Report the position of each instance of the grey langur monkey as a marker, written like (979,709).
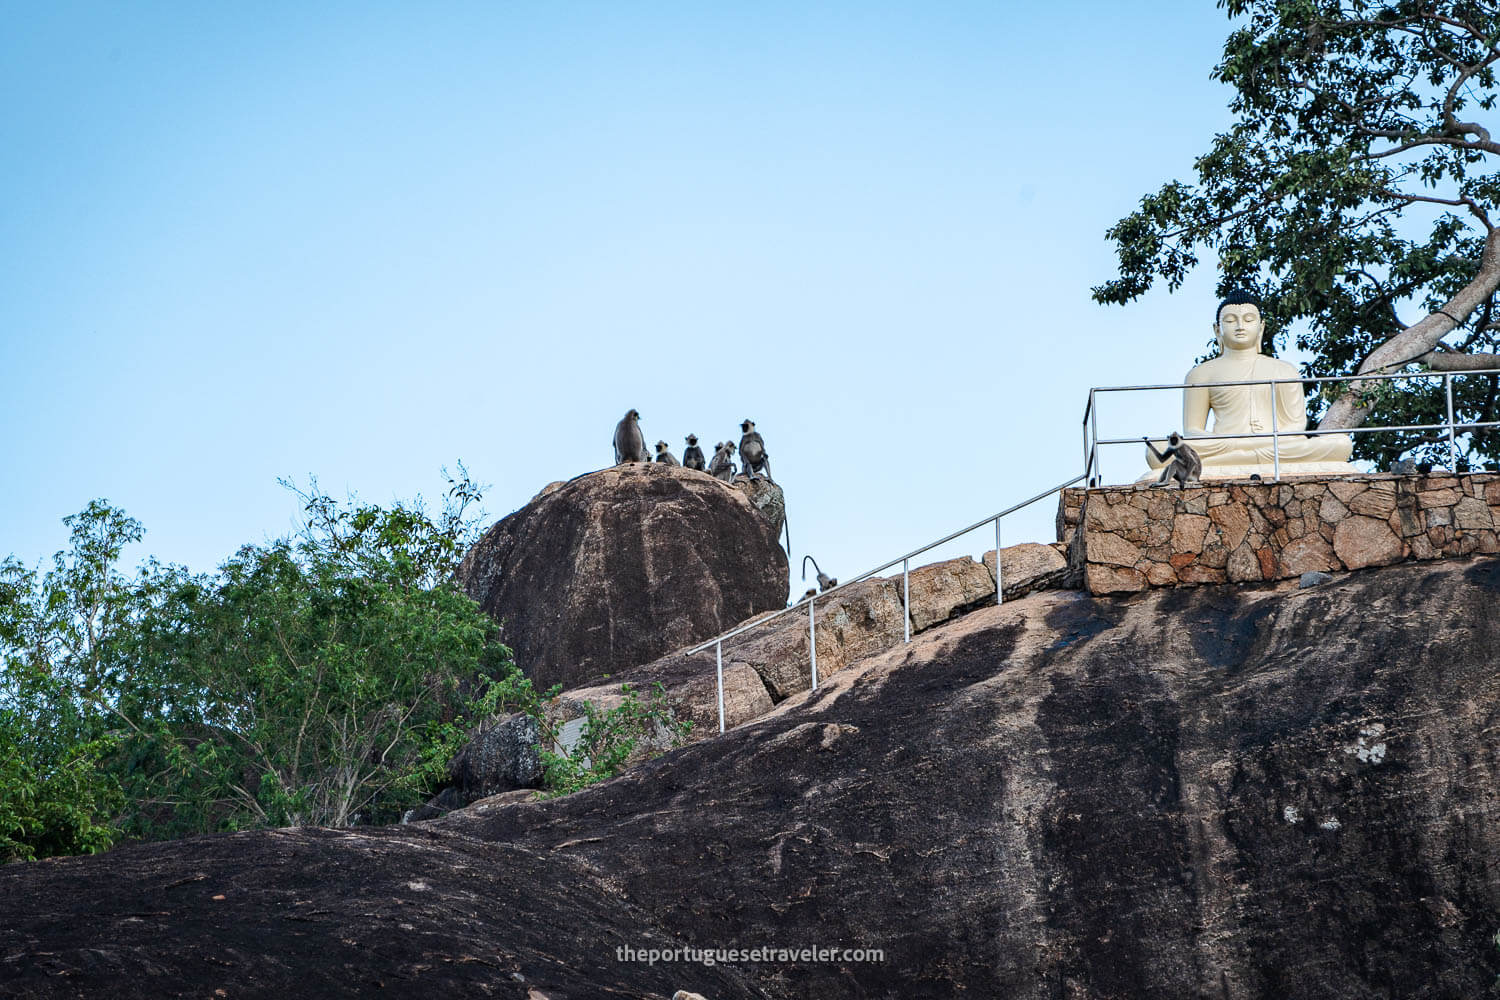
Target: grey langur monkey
(753,457)
(825,582)
(630,443)
(1183,463)
(722,467)
(692,456)
(664,456)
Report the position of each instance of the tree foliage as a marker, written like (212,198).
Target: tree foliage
(1355,191)
(319,679)
(328,678)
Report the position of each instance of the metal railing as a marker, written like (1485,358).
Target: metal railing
(1092,441)
(812,626)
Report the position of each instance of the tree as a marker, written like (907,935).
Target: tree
(56,796)
(1356,191)
(318,680)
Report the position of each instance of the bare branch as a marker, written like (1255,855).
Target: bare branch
(1452,361)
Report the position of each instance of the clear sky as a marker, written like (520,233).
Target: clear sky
(362,241)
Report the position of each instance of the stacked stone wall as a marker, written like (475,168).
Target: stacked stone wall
(1130,538)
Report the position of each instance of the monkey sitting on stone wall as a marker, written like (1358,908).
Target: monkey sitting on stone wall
(1184,466)
(664,456)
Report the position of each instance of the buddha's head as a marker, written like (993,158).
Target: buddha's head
(1238,323)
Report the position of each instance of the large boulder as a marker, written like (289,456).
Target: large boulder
(616,568)
(1220,792)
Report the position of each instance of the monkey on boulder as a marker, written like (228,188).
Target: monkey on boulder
(630,443)
(753,457)
(663,456)
(721,467)
(692,456)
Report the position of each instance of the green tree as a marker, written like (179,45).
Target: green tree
(55,632)
(1356,191)
(319,680)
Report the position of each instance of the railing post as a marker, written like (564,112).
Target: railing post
(719,657)
(1452,445)
(1094,432)
(1275,438)
(906,598)
(999,578)
(812,640)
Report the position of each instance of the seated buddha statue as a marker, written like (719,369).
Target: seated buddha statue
(1246,409)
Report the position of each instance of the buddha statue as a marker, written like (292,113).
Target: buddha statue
(1246,409)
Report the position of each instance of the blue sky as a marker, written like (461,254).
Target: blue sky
(364,241)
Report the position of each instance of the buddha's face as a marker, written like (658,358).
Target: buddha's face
(1240,327)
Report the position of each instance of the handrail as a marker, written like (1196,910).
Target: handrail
(1092,441)
(718,641)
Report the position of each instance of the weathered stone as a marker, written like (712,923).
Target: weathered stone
(1161,506)
(1267,560)
(1332,511)
(1233,523)
(1027,567)
(1215,555)
(1346,491)
(1195,502)
(745,698)
(1439,515)
(767,499)
(1197,573)
(1108,549)
(1472,514)
(1188,531)
(779,654)
(609,571)
(1102,579)
(1377,501)
(938,590)
(1160,575)
(1243,566)
(1310,553)
(1428,499)
(1313,579)
(1182,559)
(865,618)
(1361,541)
(501,755)
(1120,517)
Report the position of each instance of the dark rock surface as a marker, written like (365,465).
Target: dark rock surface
(619,567)
(501,756)
(1207,793)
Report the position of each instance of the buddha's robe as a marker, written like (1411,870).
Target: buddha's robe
(1246,409)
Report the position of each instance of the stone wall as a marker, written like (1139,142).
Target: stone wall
(1133,537)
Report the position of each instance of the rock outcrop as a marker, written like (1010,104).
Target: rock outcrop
(618,567)
(1213,792)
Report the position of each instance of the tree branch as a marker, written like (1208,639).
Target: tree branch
(1419,339)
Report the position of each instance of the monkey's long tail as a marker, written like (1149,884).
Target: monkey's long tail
(786,523)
